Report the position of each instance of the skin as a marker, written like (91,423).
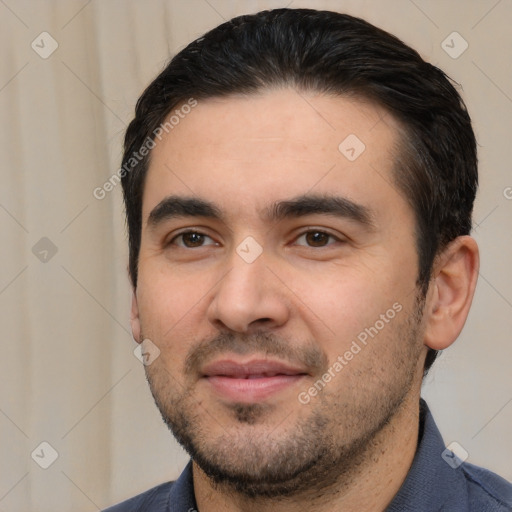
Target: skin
(302,301)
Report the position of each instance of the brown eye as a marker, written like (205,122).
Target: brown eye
(191,240)
(316,238)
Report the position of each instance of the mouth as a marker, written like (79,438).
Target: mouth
(252,381)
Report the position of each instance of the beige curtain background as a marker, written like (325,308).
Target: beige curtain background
(69,378)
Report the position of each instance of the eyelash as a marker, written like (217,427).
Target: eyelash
(189,232)
(302,234)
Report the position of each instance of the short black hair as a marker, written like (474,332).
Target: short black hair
(338,54)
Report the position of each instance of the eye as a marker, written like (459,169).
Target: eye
(316,238)
(191,240)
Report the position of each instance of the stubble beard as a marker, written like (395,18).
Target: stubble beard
(263,452)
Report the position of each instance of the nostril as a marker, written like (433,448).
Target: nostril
(262,320)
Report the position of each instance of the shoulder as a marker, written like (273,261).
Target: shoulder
(487,491)
(177,495)
(157,498)
(434,482)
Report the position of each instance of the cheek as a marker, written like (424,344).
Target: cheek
(170,310)
(341,304)
(166,293)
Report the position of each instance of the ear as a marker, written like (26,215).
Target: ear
(455,275)
(134,318)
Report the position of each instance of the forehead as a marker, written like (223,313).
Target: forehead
(263,147)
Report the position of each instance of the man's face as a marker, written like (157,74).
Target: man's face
(283,299)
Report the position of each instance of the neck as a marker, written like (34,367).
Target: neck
(370,485)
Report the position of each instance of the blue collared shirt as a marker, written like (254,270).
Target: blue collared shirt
(432,484)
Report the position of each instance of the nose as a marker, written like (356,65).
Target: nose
(248,297)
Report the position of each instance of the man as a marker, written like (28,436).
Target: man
(299,188)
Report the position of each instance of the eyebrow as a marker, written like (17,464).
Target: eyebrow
(324,205)
(176,206)
(308,204)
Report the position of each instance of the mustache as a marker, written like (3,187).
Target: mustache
(306,355)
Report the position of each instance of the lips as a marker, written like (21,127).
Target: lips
(250,369)
(250,381)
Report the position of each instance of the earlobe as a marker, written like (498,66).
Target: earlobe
(135,319)
(454,282)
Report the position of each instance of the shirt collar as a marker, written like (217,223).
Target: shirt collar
(181,497)
(431,484)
